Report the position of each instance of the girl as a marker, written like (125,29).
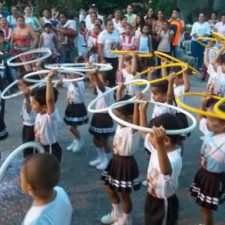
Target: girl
(127,40)
(161,204)
(28,117)
(45,128)
(209,182)
(121,174)
(139,23)
(82,40)
(101,125)
(126,71)
(216,70)
(144,44)
(75,113)
(48,39)
(5,28)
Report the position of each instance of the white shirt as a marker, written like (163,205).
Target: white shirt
(71,24)
(131,89)
(104,101)
(212,78)
(75,93)
(125,141)
(118,26)
(200,29)
(45,128)
(220,27)
(88,19)
(179,90)
(82,44)
(160,185)
(160,109)
(109,41)
(28,118)
(57,212)
(212,150)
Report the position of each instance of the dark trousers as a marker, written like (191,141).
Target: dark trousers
(55,150)
(28,135)
(154,210)
(111,75)
(197,51)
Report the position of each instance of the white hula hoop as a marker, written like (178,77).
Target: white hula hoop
(15,152)
(93,102)
(28,79)
(81,67)
(47,52)
(146,129)
(15,94)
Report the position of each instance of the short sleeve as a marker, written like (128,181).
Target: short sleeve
(210,69)
(101,38)
(202,126)
(148,145)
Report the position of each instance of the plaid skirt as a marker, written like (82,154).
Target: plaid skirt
(102,125)
(122,173)
(208,188)
(76,114)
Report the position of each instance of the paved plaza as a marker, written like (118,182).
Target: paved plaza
(82,182)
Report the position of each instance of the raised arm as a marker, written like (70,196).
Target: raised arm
(170,91)
(186,81)
(143,121)
(50,99)
(134,63)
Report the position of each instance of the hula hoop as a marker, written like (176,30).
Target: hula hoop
(92,103)
(198,111)
(200,39)
(164,55)
(184,65)
(127,52)
(16,151)
(220,38)
(81,67)
(149,130)
(26,77)
(14,94)
(217,109)
(47,52)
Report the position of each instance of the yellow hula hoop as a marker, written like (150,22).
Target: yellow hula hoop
(164,55)
(183,65)
(220,38)
(127,52)
(200,39)
(195,110)
(217,109)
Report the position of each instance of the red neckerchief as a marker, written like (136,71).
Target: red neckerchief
(129,38)
(95,35)
(84,34)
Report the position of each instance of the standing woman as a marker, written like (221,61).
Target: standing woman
(109,40)
(150,18)
(200,28)
(12,18)
(23,38)
(32,20)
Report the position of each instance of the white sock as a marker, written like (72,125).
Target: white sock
(117,212)
(100,152)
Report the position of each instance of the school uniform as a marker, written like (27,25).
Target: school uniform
(45,130)
(76,112)
(28,128)
(102,124)
(208,186)
(162,205)
(122,171)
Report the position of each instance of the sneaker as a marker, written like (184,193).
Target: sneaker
(144,183)
(76,147)
(103,165)
(70,146)
(95,162)
(108,219)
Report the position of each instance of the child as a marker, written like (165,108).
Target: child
(48,39)
(92,44)
(127,39)
(39,175)
(126,72)
(161,204)
(121,174)
(144,44)
(75,113)
(209,182)
(82,40)
(28,117)
(102,126)
(70,23)
(45,128)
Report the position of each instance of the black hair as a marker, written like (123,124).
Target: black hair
(63,13)
(82,23)
(39,93)
(169,122)
(176,9)
(47,25)
(128,109)
(162,86)
(20,16)
(41,171)
(222,59)
(97,25)
(108,20)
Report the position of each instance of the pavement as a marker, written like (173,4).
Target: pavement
(82,183)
